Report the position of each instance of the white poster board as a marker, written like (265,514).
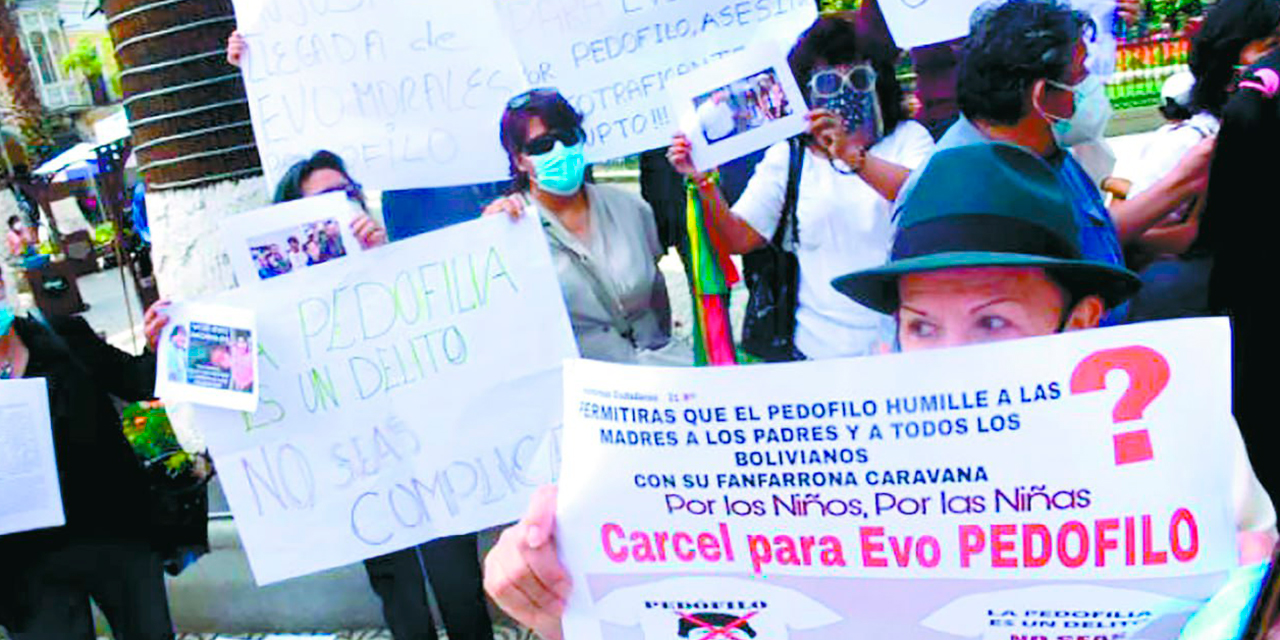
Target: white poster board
(208,354)
(916,23)
(408,93)
(407,393)
(30,496)
(982,492)
(286,238)
(737,105)
(614,60)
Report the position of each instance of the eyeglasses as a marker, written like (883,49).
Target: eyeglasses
(547,141)
(832,81)
(352,189)
(522,100)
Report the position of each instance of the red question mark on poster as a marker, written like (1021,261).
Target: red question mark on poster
(1148,373)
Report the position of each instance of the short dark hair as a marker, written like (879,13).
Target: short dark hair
(1010,46)
(833,41)
(547,105)
(1171,110)
(1228,26)
(290,187)
(13,219)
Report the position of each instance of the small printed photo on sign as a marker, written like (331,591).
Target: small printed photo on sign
(209,355)
(294,248)
(287,238)
(761,106)
(742,105)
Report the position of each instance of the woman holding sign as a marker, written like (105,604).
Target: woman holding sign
(107,549)
(604,240)
(450,565)
(859,150)
(968,266)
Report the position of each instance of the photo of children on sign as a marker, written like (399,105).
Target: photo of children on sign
(219,358)
(209,355)
(293,248)
(742,105)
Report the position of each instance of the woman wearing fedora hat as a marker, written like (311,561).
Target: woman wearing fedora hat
(967,266)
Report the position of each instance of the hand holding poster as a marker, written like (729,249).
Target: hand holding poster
(761,105)
(288,237)
(407,393)
(30,496)
(209,355)
(975,492)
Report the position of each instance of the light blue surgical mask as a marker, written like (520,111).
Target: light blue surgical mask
(6,316)
(1092,112)
(560,171)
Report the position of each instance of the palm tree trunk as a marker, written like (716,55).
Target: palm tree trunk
(189,119)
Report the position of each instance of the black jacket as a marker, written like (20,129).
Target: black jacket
(104,492)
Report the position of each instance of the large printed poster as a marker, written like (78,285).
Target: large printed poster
(1074,486)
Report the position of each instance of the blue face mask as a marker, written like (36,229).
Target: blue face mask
(560,170)
(6,316)
(1092,112)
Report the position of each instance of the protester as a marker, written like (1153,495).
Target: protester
(846,185)
(1175,282)
(450,564)
(1023,80)
(968,266)
(604,240)
(1231,229)
(107,550)
(19,239)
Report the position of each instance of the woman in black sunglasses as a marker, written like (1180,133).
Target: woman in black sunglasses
(604,240)
(858,151)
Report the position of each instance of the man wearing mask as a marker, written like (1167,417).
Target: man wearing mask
(1023,81)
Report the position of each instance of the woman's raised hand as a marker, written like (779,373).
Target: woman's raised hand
(679,154)
(154,321)
(368,231)
(523,574)
(236,48)
(512,206)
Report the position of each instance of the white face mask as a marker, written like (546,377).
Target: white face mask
(1092,112)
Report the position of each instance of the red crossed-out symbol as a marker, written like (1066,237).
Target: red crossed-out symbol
(725,632)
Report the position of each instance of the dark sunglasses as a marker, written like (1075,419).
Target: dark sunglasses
(547,141)
(522,100)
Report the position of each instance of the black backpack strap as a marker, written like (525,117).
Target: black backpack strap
(787,233)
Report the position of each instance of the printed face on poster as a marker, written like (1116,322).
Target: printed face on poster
(1063,485)
(406,393)
(290,237)
(30,495)
(726,120)
(209,355)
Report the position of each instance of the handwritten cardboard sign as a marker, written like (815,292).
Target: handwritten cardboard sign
(408,93)
(406,393)
(613,59)
(1075,485)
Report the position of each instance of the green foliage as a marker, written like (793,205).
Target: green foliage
(104,233)
(833,6)
(84,58)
